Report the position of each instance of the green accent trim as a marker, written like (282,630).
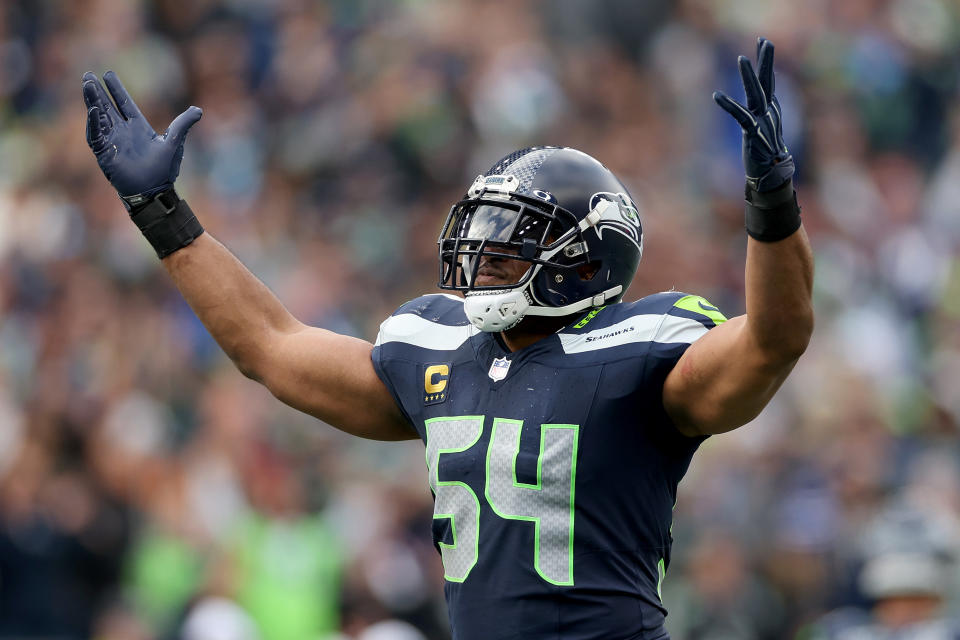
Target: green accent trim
(537,487)
(590,316)
(700,305)
(672,509)
(434,472)
(573,482)
(661,572)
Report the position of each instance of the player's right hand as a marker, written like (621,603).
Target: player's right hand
(137,161)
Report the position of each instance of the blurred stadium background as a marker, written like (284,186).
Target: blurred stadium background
(149,491)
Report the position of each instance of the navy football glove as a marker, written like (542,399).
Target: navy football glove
(766,160)
(137,161)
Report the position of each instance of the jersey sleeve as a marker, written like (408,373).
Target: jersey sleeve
(412,346)
(685,320)
(391,372)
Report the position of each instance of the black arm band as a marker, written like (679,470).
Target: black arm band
(772,215)
(166,222)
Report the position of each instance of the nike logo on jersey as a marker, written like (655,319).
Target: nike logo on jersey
(700,305)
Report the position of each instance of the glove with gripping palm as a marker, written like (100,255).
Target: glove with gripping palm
(772,211)
(141,164)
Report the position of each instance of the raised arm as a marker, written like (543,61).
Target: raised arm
(319,372)
(730,374)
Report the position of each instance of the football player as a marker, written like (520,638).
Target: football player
(557,420)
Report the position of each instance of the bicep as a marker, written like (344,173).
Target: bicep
(331,376)
(722,381)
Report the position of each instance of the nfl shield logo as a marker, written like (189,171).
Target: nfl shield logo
(499,368)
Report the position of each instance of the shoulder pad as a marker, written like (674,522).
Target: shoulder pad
(697,308)
(434,321)
(670,317)
(671,301)
(680,304)
(687,317)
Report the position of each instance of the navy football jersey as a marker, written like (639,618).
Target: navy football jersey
(554,468)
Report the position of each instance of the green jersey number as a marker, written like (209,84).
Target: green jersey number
(548,504)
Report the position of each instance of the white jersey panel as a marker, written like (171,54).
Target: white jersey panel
(419,332)
(639,328)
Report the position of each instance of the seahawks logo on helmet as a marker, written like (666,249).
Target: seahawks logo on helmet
(619,214)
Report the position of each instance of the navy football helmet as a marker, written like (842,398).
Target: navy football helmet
(557,209)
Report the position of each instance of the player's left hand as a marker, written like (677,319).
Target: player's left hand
(767,161)
(137,161)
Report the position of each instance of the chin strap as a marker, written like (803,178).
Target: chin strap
(596,301)
(501,310)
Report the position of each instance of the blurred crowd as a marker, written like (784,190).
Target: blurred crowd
(149,492)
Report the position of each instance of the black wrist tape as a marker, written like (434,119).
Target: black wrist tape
(772,215)
(166,222)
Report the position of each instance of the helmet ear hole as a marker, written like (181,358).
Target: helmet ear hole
(589,270)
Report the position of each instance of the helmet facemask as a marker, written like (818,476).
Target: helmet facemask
(533,233)
(493,222)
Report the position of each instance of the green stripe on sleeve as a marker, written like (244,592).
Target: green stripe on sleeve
(700,305)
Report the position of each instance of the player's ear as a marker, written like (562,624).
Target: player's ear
(587,271)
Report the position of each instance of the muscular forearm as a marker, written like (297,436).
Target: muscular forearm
(319,372)
(779,283)
(240,312)
(730,374)
(316,371)
(727,376)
